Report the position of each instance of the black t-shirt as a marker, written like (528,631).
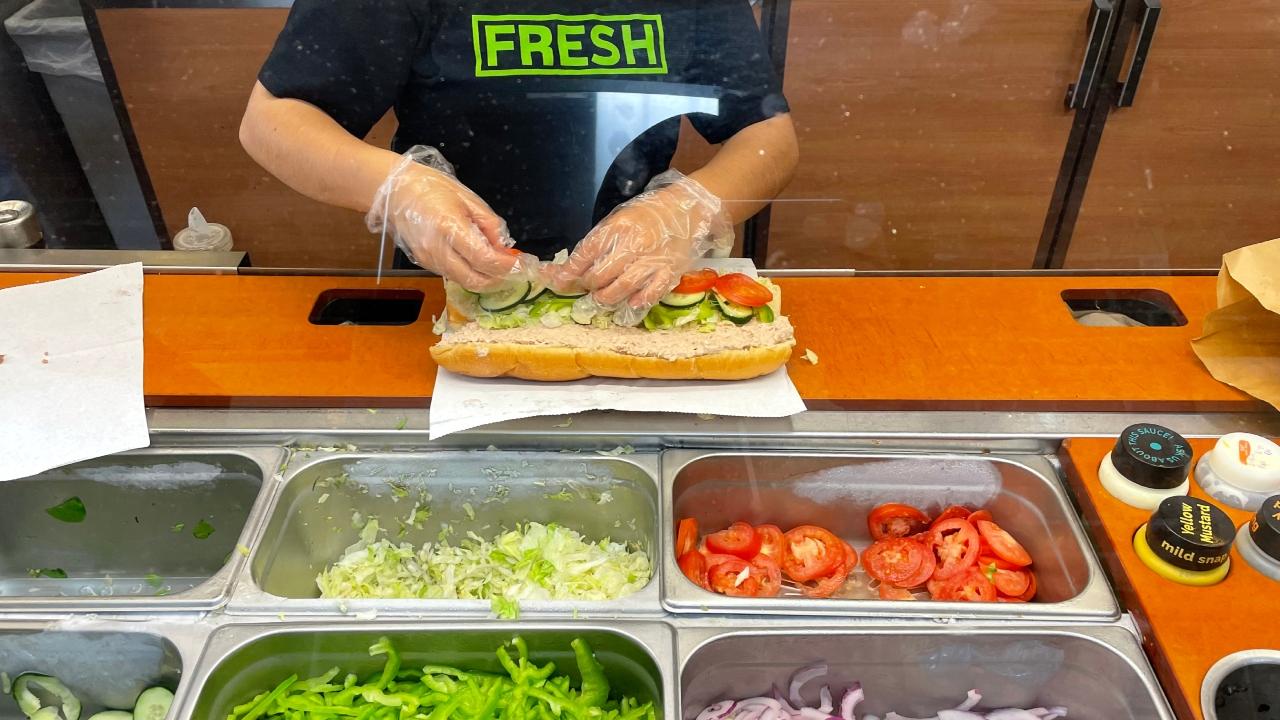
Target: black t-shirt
(551,111)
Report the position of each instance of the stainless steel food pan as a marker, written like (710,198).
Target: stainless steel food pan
(324,503)
(105,667)
(160,530)
(838,490)
(241,661)
(1097,672)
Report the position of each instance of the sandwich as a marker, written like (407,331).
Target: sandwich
(710,327)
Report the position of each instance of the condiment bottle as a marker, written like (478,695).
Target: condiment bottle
(1187,541)
(1148,464)
(1241,470)
(1259,542)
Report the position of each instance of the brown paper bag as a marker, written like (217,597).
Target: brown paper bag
(1241,339)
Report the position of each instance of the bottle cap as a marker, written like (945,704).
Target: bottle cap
(1249,462)
(1264,529)
(1190,533)
(202,235)
(1152,456)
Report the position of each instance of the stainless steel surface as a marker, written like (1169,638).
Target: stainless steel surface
(406,428)
(311,520)
(19,226)
(153,261)
(1098,672)
(838,490)
(129,553)
(1224,667)
(105,664)
(243,660)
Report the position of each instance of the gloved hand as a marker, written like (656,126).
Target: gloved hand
(639,251)
(442,225)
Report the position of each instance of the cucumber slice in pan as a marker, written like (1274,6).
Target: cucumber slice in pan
(112,715)
(153,704)
(31,690)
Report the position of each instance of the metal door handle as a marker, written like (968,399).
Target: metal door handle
(1147,31)
(1081,91)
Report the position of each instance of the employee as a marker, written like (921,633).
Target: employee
(519,97)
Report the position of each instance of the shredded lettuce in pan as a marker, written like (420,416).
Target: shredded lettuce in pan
(532,562)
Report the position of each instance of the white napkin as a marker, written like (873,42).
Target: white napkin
(71,370)
(460,403)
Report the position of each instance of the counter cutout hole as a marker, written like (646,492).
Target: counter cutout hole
(367,307)
(1250,692)
(1152,308)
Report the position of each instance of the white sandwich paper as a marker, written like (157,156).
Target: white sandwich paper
(461,403)
(71,370)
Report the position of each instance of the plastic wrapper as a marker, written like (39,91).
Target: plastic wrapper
(54,39)
(443,226)
(639,251)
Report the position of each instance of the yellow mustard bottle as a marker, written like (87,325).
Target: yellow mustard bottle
(1187,541)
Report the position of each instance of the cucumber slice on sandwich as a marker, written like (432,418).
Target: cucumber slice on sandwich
(682,300)
(735,313)
(35,693)
(506,297)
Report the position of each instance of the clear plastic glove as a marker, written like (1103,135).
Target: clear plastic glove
(639,251)
(443,226)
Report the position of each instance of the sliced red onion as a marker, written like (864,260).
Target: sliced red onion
(849,701)
(1052,713)
(813,714)
(959,715)
(896,716)
(971,701)
(825,695)
(1012,714)
(786,706)
(759,708)
(803,676)
(719,711)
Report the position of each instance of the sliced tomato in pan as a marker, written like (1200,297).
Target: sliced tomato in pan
(686,536)
(895,520)
(955,545)
(1003,544)
(952,511)
(894,560)
(811,552)
(772,542)
(739,539)
(694,566)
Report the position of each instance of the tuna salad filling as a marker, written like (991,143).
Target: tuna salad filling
(681,342)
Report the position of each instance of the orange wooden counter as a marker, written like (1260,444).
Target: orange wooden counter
(883,343)
(1185,629)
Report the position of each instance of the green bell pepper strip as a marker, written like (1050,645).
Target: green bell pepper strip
(595,686)
(270,699)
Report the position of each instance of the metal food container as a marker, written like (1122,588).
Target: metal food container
(1096,672)
(160,531)
(241,661)
(838,490)
(103,668)
(325,501)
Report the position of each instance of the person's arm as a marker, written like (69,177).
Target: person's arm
(752,167)
(441,224)
(311,153)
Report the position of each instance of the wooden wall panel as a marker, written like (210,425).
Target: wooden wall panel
(1192,169)
(185,75)
(931,132)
